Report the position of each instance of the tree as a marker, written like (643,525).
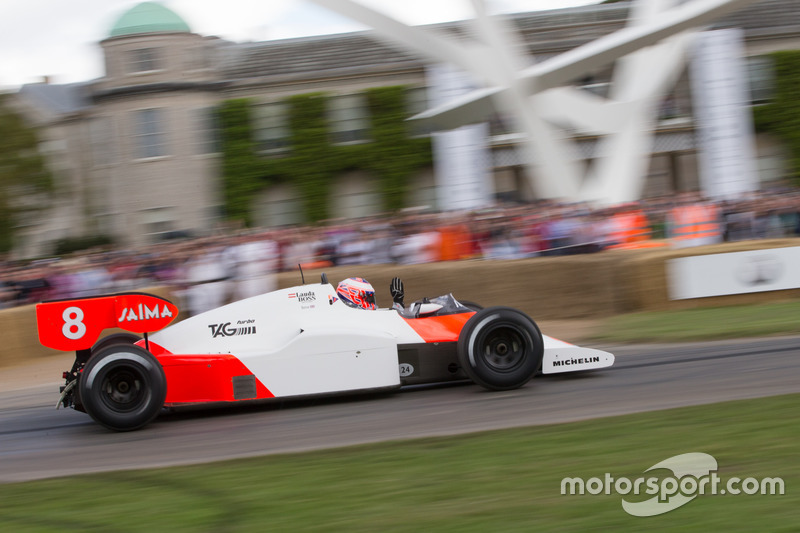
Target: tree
(23,173)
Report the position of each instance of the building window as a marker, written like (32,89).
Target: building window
(271,126)
(500,124)
(598,84)
(158,222)
(111,65)
(600,89)
(102,139)
(149,133)
(416,100)
(416,103)
(761,75)
(349,118)
(205,131)
(195,58)
(143,60)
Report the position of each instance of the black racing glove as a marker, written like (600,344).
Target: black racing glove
(397,290)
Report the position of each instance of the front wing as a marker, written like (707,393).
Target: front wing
(560,356)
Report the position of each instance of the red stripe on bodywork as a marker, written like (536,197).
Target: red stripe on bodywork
(439,328)
(202,378)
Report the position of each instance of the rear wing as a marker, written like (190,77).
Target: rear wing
(76,324)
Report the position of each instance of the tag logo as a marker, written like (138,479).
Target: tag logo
(226,330)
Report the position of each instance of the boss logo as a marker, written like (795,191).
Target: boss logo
(304,297)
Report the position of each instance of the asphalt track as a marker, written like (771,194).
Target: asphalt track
(36,441)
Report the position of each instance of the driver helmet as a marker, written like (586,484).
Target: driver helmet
(357,292)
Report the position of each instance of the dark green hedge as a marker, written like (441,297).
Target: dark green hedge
(312,161)
(79,244)
(781,117)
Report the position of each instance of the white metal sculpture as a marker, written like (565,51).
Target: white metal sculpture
(651,51)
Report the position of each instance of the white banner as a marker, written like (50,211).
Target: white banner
(721,100)
(462,159)
(734,273)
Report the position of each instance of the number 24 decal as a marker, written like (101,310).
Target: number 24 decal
(73,328)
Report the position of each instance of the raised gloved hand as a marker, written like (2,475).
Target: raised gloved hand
(397,290)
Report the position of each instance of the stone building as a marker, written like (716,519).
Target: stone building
(135,152)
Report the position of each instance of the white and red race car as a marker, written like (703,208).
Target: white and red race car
(294,342)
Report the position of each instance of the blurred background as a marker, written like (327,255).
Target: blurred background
(212,147)
(195,159)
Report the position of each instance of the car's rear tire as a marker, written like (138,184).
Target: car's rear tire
(115,338)
(123,387)
(500,348)
(124,338)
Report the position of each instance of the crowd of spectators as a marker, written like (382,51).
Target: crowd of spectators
(240,265)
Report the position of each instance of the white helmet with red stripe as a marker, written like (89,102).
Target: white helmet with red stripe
(357,292)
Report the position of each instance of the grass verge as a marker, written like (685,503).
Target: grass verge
(496,481)
(702,324)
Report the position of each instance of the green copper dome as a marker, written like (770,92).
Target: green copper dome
(148,17)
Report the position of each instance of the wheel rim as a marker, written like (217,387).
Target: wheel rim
(503,348)
(123,389)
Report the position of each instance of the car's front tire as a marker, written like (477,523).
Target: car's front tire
(500,348)
(123,387)
(471,305)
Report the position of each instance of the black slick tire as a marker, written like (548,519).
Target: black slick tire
(500,348)
(123,387)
